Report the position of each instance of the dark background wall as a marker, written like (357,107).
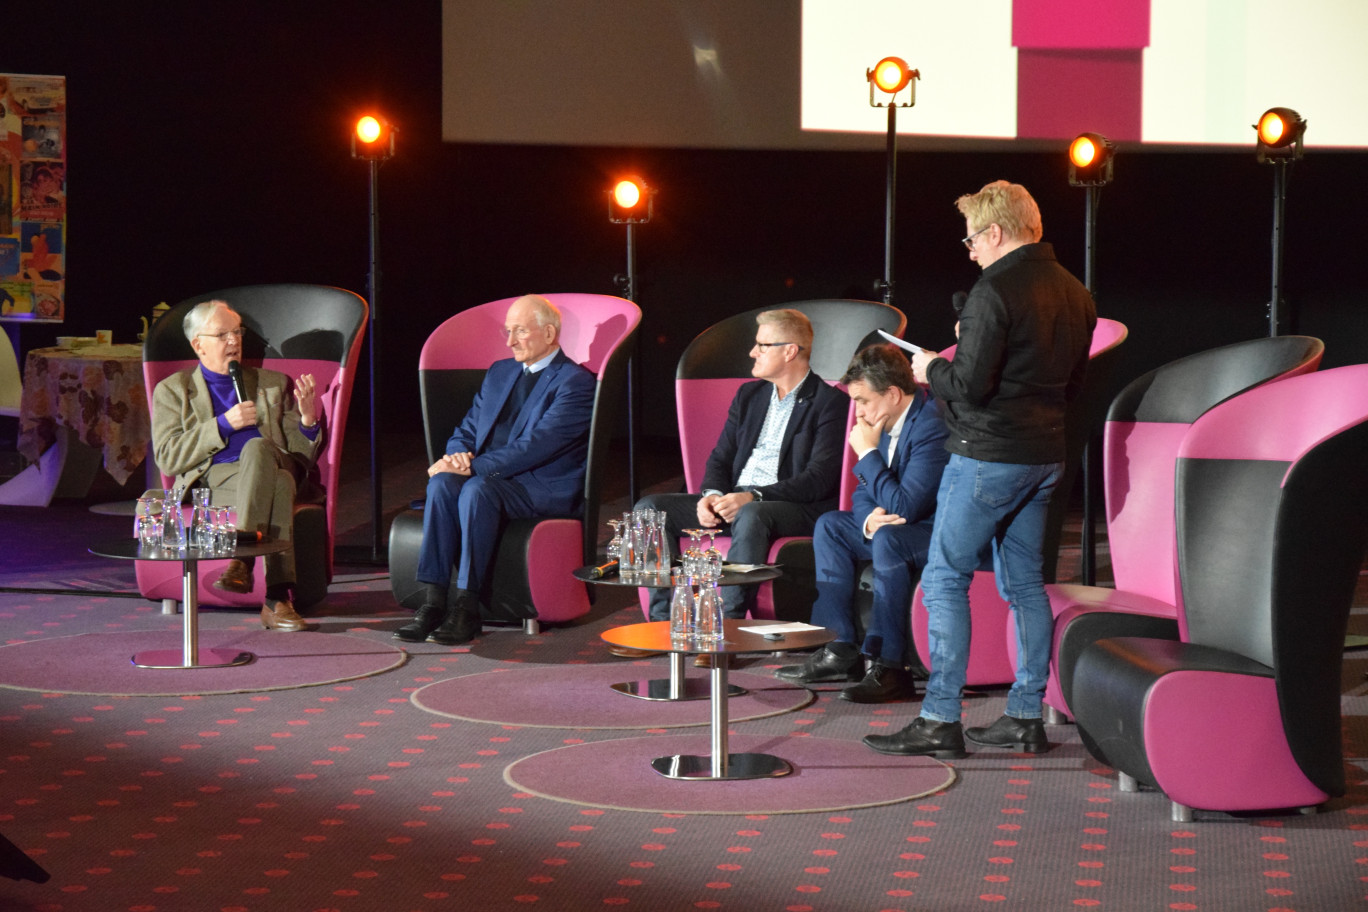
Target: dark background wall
(208,148)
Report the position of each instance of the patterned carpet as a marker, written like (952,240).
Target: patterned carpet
(349,797)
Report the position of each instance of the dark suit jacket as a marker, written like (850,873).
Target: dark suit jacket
(185,433)
(809,457)
(548,446)
(907,487)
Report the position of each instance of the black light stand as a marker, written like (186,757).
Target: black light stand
(1279,143)
(373,142)
(631,203)
(890,76)
(1090,167)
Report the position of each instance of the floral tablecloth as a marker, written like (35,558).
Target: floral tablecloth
(98,392)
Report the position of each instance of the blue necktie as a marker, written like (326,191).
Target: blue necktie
(508,415)
(885,442)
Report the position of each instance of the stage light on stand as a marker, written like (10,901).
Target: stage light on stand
(1278,142)
(1279,133)
(631,202)
(1090,166)
(892,85)
(372,141)
(1090,160)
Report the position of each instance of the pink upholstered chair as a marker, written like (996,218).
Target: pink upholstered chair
(293,329)
(992,659)
(532,582)
(1146,425)
(1239,708)
(716,363)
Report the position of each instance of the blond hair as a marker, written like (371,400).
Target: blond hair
(793,324)
(1006,205)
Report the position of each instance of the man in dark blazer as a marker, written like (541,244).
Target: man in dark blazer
(520,452)
(777,463)
(899,438)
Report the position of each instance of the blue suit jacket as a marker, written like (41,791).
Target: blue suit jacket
(547,449)
(907,487)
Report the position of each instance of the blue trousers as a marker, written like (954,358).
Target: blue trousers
(462,521)
(1001,505)
(840,547)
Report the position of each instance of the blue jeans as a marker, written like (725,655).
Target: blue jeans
(1002,506)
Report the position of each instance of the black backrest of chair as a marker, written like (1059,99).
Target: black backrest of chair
(282,321)
(1182,390)
(840,328)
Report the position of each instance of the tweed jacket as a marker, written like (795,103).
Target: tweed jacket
(185,433)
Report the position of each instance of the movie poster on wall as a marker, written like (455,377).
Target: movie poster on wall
(33,153)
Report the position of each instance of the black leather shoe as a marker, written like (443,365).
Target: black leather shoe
(924,737)
(427,619)
(883,684)
(462,623)
(1021,735)
(822,666)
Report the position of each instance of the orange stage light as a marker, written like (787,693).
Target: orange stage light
(891,75)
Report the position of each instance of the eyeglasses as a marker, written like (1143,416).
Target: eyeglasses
(518,332)
(766,346)
(223,336)
(969,241)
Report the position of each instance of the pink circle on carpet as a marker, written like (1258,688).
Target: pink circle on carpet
(828,775)
(581,696)
(100,663)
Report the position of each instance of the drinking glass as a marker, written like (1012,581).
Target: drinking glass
(712,558)
(149,518)
(225,531)
(614,548)
(693,555)
(681,609)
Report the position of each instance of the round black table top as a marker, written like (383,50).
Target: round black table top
(132,549)
(654,636)
(663,581)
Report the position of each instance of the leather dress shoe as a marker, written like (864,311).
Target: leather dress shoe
(883,684)
(924,738)
(236,577)
(281,615)
(627,652)
(462,624)
(1021,735)
(425,620)
(822,666)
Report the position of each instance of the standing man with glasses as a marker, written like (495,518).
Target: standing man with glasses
(776,466)
(251,450)
(520,452)
(1024,333)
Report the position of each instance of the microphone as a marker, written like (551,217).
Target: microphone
(235,371)
(603,570)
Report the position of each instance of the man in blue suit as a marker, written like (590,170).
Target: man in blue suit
(777,463)
(899,438)
(520,452)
